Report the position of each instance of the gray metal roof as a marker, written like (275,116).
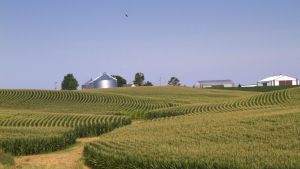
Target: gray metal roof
(216,82)
(274,78)
(105,76)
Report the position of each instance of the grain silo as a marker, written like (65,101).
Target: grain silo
(87,84)
(91,85)
(103,81)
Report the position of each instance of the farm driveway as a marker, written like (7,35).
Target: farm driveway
(64,160)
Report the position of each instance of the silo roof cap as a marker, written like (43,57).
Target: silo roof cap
(105,76)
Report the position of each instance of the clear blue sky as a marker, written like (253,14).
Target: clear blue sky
(245,41)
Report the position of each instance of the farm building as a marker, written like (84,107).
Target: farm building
(280,80)
(130,84)
(103,81)
(87,84)
(214,83)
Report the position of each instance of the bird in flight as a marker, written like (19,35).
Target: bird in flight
(126,15)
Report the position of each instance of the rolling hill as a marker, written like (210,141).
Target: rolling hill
(176,127)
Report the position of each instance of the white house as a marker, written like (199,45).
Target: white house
(214,83)
(280,80)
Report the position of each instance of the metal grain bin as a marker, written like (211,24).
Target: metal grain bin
(105,81)
(91,85)
(86,85)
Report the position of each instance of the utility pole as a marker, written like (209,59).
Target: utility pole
(55,85)
(160,81)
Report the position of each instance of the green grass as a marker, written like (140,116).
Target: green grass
(6,159)
(67,149)
(257,89)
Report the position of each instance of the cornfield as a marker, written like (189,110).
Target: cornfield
(280,97)
(76,102)
(58,120)
(183,127)
(260,131)
(29,146)
(121,101)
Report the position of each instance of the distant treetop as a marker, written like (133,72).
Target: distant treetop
(174,81)
(139,79)
(120,80)
(69,82)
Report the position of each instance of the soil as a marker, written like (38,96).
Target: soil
(69,159)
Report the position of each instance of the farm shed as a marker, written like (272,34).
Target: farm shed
(214,83)
(281,80)
(103,81)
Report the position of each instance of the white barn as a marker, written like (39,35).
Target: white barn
(214,83)
(280,80)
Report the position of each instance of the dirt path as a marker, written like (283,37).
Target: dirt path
(69,159)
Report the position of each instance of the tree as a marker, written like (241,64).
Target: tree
(120,80)
(139,79)
(69,82)
(240,85)
(148,84)
(174,81)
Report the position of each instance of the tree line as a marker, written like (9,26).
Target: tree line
(70,83)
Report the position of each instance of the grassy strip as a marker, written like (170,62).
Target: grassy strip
(68,148)
(256,89)
(6,159)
